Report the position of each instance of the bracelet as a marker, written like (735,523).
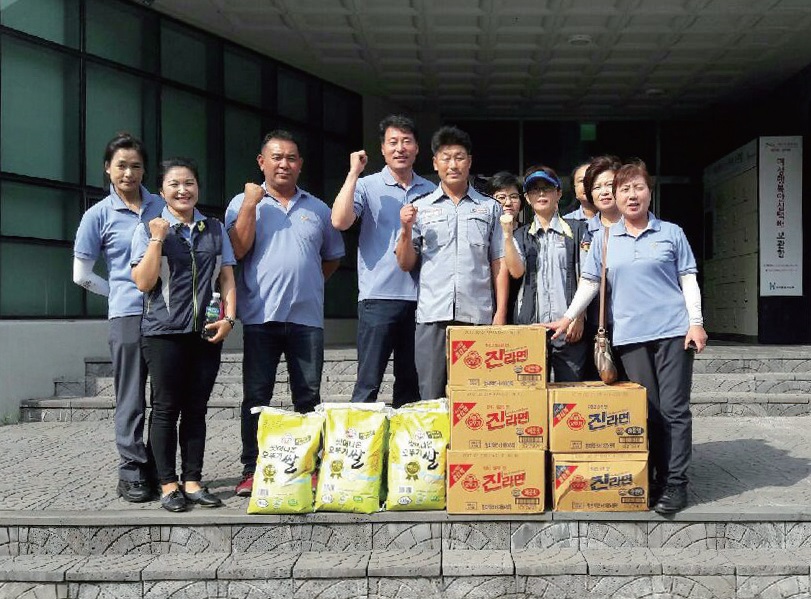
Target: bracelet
(151,239)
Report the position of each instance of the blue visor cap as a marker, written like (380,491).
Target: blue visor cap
(540,176)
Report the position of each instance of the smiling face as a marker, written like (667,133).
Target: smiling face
(179,189)
(399,149)
(452,164)
(602,193)
(126,171)
(633,199)
(281,164)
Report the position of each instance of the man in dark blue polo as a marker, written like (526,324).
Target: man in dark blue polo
(288,248)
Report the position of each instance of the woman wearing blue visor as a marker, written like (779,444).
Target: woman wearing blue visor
(548,265)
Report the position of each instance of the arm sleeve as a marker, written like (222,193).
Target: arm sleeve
(692,297)
(83,275)
(232,211)
(496,235)
(587,290)
(228,258)
(359,199)
(140,241)
(686,261)
(333,248)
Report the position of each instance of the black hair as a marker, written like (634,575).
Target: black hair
(598,166)
(122,141)
(281,134)
(503,180)
(178,162)
(451,136)
(578,167)
(399,122)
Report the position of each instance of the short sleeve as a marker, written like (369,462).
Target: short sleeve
(496,235)
(140,241)
(592,264)
(333,247)
(232,211)
(416,234)
(88,236)
(519,250)
(685,260)
(359,202)
(228,258)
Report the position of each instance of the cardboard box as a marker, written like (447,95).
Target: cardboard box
(495,482)
(593,417)
(505,357)
(491,419)
(600,482)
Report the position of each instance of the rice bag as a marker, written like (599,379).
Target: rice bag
(352,462)
(418,442)
(288,449)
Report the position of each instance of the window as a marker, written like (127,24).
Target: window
(184,56)
(57,211)
(243,134)
(292,100)
(243,78)
(53,20)
(121,33)
(184,133)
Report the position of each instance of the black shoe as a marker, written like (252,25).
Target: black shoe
(174,501)
(136,491)
(655,493)
(673,499)
(203,498)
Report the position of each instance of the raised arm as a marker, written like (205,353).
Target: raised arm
(146,272)
(404,250)
(343,208)
(243,233)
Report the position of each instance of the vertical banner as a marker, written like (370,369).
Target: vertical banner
(780,182)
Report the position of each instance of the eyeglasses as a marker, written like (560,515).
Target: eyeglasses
(503,197)
(539,191)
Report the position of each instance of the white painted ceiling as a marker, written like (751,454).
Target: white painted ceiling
(646,58)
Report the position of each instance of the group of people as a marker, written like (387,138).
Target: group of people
(429,256)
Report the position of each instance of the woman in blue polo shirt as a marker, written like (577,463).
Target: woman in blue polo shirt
(177,260)
(106,230)
(656,309)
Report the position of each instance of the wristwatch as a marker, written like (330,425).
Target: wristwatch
(231,321)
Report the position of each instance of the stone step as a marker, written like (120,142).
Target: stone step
(759,382)
(427,573)
(102,407)
(724,403)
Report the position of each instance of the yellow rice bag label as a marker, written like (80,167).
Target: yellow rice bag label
(418,442)
(288,448)
(352,464)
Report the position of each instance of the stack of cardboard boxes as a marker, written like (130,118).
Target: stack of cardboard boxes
(598,440)
(499,420)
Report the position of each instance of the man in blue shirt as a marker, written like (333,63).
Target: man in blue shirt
(586,209)
(288,248)
(455,235)
(387,296)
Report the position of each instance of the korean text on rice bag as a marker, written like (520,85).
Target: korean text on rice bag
(418,441)
(288,448)
(352,464)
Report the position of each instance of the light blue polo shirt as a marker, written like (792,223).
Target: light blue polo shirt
(643,274)
(577,214)
(456,244)
(140,240)
(107,229)
(378,199)
(281,278)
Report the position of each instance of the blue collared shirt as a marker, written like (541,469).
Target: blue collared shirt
(457,244)
(281,278)
(378,199)
(106,229)
(643,276)
(577,214)
(140,240)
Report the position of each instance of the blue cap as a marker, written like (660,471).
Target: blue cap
(540,175)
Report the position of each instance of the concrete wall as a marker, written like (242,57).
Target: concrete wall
(34,353)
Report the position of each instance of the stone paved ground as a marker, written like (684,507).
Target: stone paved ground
(739,465)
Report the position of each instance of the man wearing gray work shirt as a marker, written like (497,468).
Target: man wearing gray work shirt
(455,236)
(387,296)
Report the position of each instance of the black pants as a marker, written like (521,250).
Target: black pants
(183,369)
(665,369)
(386,327)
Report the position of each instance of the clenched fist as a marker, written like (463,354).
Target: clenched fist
(158,228)
(408,215)
(357,162)
(254,193)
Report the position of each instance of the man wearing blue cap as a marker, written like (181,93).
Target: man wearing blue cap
(454,234)
(549,248)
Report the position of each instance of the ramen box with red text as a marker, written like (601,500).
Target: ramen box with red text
(496,419)
(593,417)
(497,357)
(495,482)
(600,482)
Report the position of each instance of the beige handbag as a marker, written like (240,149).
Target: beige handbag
(603,358)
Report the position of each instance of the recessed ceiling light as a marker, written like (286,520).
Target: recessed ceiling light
(654,92)
(580,40)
